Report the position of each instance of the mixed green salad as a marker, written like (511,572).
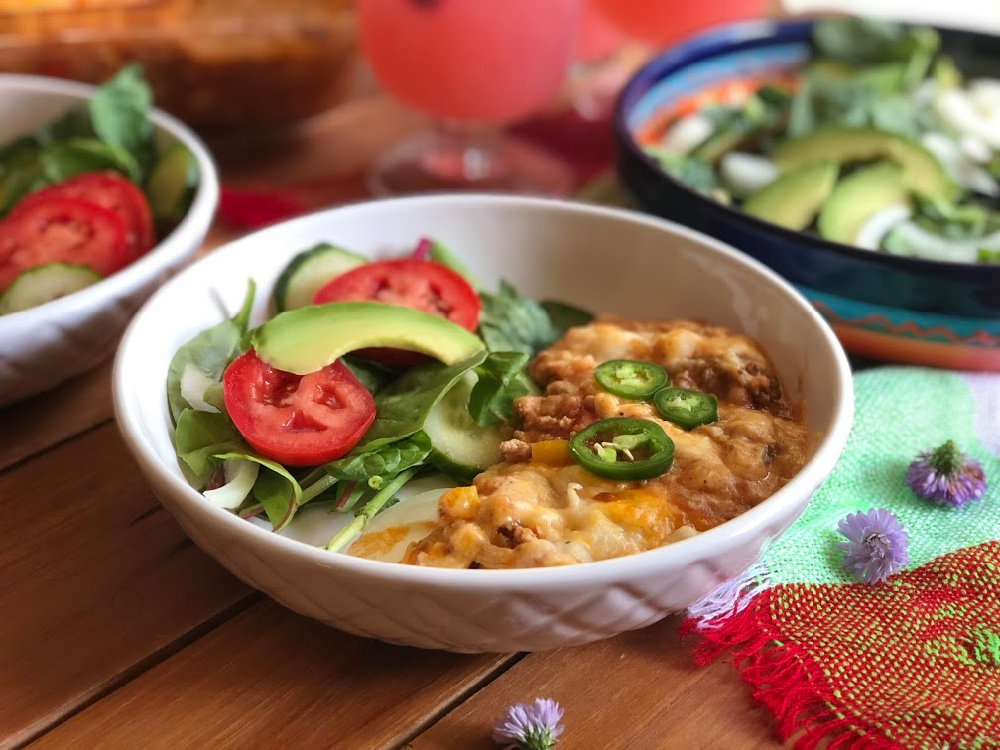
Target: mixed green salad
(877,142)
(370,374)
(87,194)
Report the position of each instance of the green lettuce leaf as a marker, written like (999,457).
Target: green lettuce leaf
(500,381)
(210,351)
(377,466)
(402,406)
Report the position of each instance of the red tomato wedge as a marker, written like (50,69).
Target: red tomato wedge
(113,192)
(297,420)
(407,282)
(61,230)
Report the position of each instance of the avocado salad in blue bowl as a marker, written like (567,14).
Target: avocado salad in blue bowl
(858,158)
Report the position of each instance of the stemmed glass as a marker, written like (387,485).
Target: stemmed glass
(664,22)
(475,65)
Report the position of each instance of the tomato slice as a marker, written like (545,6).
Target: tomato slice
(408,282)
(298,420)
(113,192)
(61,230)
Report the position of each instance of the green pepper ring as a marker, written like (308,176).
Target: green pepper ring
(651,378)
(698,409)
(658,463)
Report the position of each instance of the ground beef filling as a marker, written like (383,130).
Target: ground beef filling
(540,508)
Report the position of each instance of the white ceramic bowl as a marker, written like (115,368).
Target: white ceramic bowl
(43,346)
(601,259)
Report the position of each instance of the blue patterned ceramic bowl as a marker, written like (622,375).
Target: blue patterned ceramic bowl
(880,305)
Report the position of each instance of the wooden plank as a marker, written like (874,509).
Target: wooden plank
(639,690)
(95,578)
(269,677)
(50,418)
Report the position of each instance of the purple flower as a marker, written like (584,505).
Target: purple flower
(533,726)
(946,476)
(875,546)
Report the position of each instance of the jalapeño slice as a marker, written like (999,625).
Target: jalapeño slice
(630,378)
(686,408)
(623,448)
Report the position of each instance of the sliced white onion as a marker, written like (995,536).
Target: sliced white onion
(985,94)
(687,133)
(980,181)
(958,166)
(925,93)
(923,244)
(956,108)
(240,476)
(194,383)
(975,149)
(877,226)
(416,516)
(746,173)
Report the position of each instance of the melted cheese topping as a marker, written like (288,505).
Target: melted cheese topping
(547,510)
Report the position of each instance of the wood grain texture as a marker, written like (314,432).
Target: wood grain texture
(94,578)
(45,420)
(271,678)
(639,691)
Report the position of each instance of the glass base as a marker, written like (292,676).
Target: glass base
(456,162)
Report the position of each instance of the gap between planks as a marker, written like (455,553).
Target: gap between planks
(32,733)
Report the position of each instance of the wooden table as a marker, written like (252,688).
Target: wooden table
(117,632)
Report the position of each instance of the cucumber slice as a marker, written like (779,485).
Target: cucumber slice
(440,254)
(42,284)
(310,270)
(171,183)
(462,449)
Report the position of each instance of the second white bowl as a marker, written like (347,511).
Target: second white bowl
(43,346)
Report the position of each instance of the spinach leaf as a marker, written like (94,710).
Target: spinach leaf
(65,159)
(499,383)
(564,316)
(116,115)
(119,111)
(868,40)
(403,405)
(210,351)
(954,221)
(17,149)
(510,323)
(374,377)
(21,174)
(690,170)
(200,436)
(276,490)
(855,101)
(384,462)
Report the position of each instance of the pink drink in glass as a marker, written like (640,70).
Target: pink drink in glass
(598,38)
(663,22)
(474,60)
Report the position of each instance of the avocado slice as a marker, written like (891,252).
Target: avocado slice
(923,173)
(857,197)
(310,338)
(792,200)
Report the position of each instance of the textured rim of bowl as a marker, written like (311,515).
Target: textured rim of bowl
(717,41)
(174,247)
(726,536)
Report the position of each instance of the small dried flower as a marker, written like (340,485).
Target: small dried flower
(946,476)
(529,726)
(875,546)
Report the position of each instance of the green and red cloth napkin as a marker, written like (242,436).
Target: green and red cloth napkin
(914,661)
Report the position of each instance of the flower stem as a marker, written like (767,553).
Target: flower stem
(370,508)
